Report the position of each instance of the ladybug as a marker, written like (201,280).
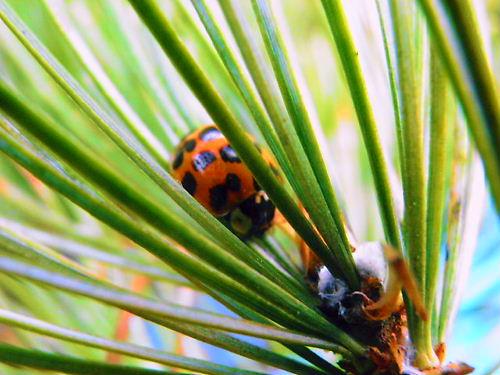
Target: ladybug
(210,170)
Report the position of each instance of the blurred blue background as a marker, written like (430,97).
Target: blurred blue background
(476,332)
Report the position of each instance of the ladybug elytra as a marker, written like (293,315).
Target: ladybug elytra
(210,170)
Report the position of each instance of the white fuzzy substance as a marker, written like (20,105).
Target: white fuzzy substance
(323,278)
(330,289)
(370,260)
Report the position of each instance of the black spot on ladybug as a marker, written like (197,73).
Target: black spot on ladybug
(260,209)
(210,134)
(179,158)
(189,183)
(228,154)
(233,182)
(202,160)
(190,145)
(218,197)
(256,185)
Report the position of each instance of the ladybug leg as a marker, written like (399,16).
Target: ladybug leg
(310,261)
(399,277)
(280,222)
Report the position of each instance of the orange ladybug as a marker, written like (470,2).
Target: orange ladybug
(210,170)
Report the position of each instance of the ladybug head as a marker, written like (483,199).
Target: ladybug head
(253,216)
